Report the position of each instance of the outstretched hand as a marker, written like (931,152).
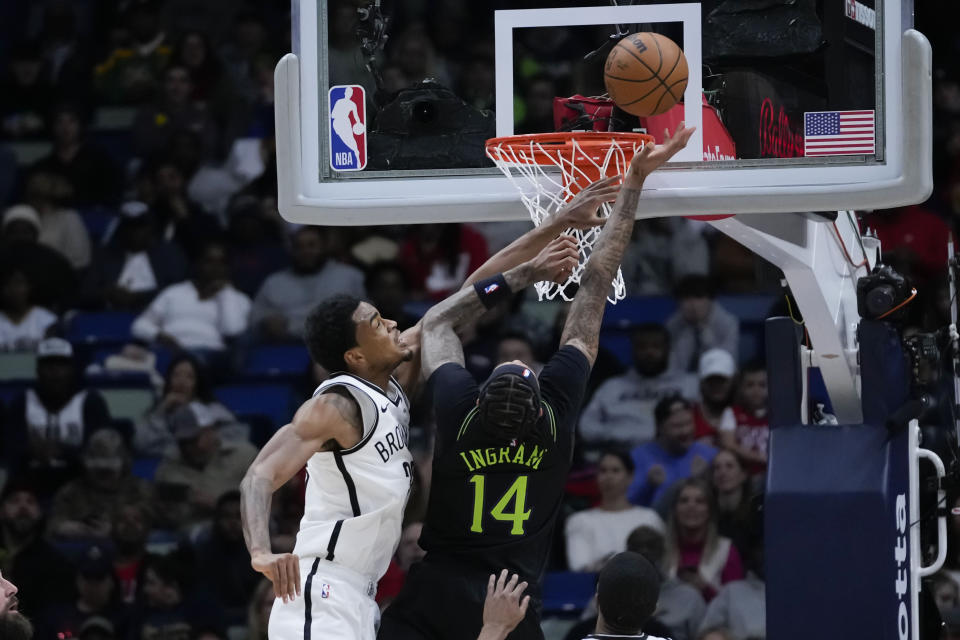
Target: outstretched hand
(503,608)
(581,212)
(557,260)
(653,155)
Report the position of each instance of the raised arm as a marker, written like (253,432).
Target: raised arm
(440,343)
(579,213)
(582,328)
(320,423)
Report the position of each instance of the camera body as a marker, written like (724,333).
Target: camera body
(880,291)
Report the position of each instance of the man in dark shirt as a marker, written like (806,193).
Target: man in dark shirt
(503,449)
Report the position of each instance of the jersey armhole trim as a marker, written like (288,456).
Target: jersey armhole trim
(373,429)
(552,419)
(466,421)
(351,487)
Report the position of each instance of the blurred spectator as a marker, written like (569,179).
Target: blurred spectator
(222,561)
(198,314)
(286,297)
(477,82)
(438,257)
(734,496)
(946,592)
(699,324)
(180,220)
(187,383)
(256,240)
(696,553)
(165,607)
(134,265)
(60,228)
(413,53)
(735,268)
(210,83)
(176,109)
(662,252)
(66,56)
(741,605)
(680,606)
(751,436)
(621,410)
(673,456)
(203,467)
(131,73)
(52,279)
(716,633)
(516,345)
(97,598)
(99,628)
(538,94)
(130,531)
(247,39)
(23,324)
(713,414)
(13,624)
(913,240)
(92,175)
(27,93)
(595,535)
(347,61)
(258,611)
(83,508)
(408,553)
(48,424)
(387,289)
(25,557)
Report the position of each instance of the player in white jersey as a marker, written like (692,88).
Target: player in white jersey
(627,591)
(352,437)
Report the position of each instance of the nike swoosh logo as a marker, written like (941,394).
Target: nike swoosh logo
(384,408)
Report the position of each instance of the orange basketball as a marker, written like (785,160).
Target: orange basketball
(645,74)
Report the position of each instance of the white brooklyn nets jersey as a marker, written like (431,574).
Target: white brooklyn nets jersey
(355,497)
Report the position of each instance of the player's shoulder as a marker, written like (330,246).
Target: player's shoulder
(327,411)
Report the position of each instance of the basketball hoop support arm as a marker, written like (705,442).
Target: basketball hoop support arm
(823,282)
(819,262)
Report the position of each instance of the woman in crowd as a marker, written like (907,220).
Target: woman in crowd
(732,490)
(696,552)
(596,534)
(22,323)
(185,382)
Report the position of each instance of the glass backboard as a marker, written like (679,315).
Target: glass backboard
(799,105)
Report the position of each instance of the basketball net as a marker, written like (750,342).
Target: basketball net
(550,169)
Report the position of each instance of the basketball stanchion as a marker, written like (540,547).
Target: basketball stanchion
(549,169)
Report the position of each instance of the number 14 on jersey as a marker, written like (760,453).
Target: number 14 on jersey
(517,493)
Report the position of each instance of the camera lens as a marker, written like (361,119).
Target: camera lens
(424,111)
(880,299)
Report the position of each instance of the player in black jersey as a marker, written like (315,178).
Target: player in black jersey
(503,449)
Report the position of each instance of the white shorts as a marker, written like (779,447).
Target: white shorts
(336,603)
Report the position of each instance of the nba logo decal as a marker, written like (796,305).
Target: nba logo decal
(348,128)
(324,590)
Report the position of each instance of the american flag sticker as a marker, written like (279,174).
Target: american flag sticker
(324,590)
(838,133)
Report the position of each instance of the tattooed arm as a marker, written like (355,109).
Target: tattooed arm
(582,328)
(440,343)
(322,423)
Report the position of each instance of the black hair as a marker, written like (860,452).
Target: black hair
(330,331)
(202,391)
(627,592)
(666,406)
(753,366)
(623,456)
(694,286)
(650,327)
(649,543)
(509,407)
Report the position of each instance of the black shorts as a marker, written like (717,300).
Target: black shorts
(441,601)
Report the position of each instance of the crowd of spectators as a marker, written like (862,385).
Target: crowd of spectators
(153,198)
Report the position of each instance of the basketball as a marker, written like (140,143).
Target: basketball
(358,128)
(645,74)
